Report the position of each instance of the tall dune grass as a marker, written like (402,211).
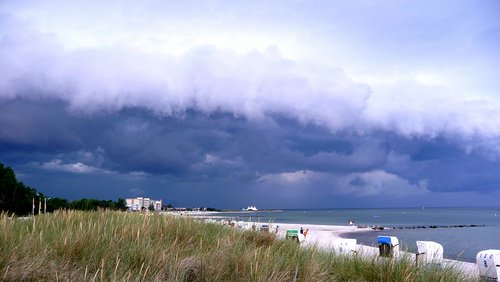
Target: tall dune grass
(117,246)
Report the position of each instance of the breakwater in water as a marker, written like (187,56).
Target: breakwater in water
(379,227)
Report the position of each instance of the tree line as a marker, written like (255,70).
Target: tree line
(19,199)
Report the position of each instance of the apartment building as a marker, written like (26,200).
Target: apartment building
(142,203)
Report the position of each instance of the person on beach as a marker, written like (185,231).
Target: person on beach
(302,236)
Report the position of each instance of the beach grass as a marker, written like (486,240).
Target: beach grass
(121,246)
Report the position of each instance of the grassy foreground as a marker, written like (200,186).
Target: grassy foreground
(109,246)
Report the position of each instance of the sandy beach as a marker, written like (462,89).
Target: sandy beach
(320,236)
(323,236)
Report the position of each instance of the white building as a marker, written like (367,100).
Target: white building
(141,203)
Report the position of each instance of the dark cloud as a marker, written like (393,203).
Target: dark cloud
(445,164)
(226,160)
(358,181)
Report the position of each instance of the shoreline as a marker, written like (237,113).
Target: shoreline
(323,236)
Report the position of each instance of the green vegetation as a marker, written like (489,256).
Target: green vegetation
(111,246)
(16,198)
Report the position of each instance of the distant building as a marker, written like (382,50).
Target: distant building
(142,203)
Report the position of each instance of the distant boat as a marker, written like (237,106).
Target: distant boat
(251,208)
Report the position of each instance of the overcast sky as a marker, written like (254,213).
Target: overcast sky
(278,104)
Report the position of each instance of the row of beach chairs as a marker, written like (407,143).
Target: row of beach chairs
(428,252)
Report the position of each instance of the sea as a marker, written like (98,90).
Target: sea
(462,232)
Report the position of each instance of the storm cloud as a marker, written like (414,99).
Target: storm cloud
(224,104)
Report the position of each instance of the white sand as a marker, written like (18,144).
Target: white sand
(320,236)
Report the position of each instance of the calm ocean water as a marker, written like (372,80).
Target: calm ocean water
(458,243)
